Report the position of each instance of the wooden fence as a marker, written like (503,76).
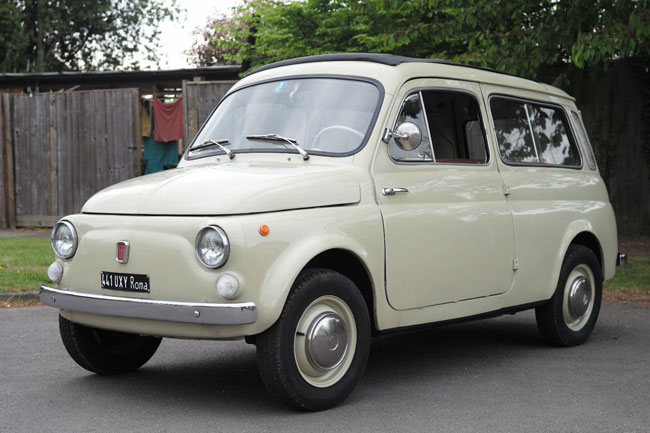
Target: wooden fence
(58,149)
(616,110)
(199,99)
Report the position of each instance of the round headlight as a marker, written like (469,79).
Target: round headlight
(64,239)
(212,246)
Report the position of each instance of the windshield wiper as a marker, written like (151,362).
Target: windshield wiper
(219,143)
(276,137)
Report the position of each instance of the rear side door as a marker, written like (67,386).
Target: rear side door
(448,227)
(539,160)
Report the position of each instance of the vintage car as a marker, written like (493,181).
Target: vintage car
(332,198)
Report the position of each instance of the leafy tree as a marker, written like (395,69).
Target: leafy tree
(56,35)
(204,51)
(12,44)
(228,40)
(524,37)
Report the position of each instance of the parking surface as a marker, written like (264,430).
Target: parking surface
(492,375)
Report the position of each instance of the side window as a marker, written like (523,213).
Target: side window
(412,111)
(455,127)
(532,133)
(584,141)
(452,131)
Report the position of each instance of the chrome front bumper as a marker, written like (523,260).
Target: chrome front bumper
(241,313)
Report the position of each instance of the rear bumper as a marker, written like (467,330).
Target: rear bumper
(241,313)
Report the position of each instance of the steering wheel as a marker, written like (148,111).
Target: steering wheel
(341,127)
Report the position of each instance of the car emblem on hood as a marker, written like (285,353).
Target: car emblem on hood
(122,255)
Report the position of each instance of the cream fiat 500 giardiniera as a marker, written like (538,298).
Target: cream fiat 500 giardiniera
(331,198)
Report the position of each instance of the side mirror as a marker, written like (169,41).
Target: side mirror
(407,136)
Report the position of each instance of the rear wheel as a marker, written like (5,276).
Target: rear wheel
(106,352)
(569,317)
(314,355)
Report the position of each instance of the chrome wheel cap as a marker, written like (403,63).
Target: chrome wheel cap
(578,297)
(325,341)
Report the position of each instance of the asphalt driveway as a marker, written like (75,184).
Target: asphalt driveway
(487,376)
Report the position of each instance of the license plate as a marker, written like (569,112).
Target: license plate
(125,282)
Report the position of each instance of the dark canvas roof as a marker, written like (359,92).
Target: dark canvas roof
(385,59)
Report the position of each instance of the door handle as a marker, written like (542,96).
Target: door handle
(393,191)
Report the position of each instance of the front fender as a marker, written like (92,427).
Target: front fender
(276,260)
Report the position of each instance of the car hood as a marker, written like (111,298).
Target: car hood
(229,188)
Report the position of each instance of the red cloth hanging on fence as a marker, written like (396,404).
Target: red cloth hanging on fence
(168,120)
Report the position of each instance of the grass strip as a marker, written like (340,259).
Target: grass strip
(23,263)
(632,280)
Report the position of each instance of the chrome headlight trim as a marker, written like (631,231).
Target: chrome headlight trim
(225,246)
(75,239)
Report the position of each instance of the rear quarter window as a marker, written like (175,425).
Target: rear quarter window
(532,133)
(584,141)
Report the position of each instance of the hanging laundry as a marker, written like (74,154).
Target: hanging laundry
(168,120)
(157,154)
(145,118)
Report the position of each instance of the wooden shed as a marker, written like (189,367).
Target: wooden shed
(65,136)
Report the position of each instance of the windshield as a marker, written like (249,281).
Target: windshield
(327,116)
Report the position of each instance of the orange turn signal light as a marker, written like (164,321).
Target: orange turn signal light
(264,230)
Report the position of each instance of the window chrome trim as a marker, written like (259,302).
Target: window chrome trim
(445,89)
(542,103)
(586,148)
(205,313)
(362,145)
(532,132)
(426,123)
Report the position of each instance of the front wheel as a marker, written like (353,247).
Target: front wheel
(569,317)
(106,352)
(314,355)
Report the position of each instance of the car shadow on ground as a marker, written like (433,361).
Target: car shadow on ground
(224,376)
(451,348)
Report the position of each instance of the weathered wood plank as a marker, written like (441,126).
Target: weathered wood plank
(68,155)
(85,144)
(62,148)
(37,220)
(11,172)
(113,150)
(199,99)
(76,151)
(187,123)
(38,154)
(20,131)
(60,166)
(52,166)
(4,209)
(136,135)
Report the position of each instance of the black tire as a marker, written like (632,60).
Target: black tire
(559,320)
(106,352)
(282,350)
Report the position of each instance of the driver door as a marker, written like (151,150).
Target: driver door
(448,228)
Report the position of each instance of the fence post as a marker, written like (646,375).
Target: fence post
(7,192)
